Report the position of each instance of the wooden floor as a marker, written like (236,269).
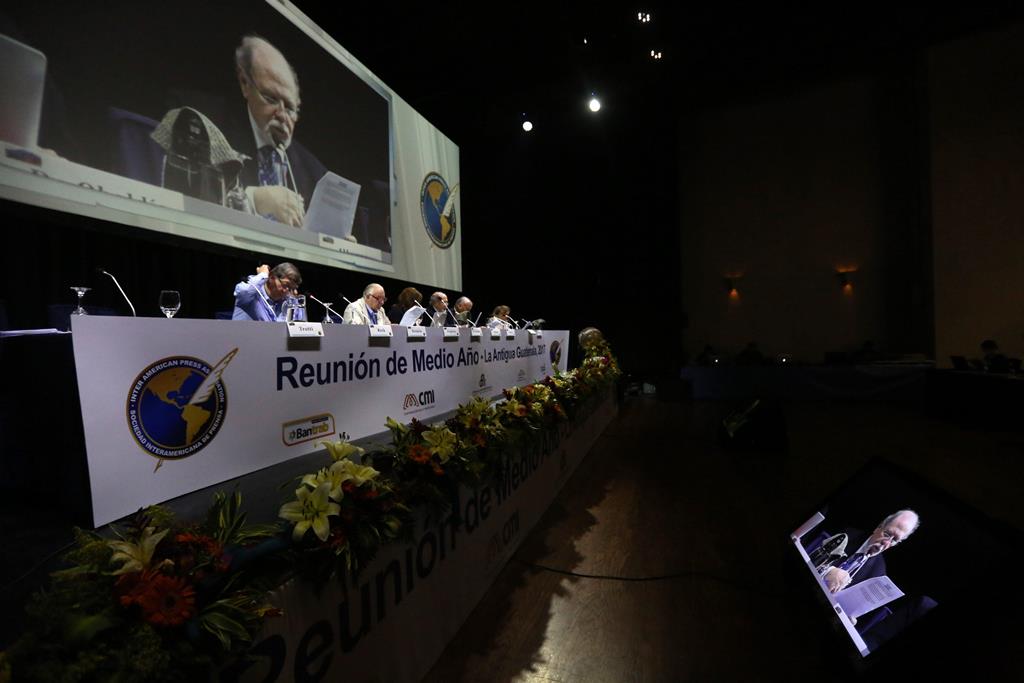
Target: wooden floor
(701,534)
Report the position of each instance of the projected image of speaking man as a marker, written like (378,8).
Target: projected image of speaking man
(281,174)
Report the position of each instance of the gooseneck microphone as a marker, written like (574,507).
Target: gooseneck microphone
(327,306)
(100,270)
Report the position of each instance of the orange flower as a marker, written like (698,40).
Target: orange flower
(479,439)
(419,453)
(166,600)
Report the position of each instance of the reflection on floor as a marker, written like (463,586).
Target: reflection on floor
(659,499)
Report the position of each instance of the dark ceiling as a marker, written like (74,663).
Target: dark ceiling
(474,68)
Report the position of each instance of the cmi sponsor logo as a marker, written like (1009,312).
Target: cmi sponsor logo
(177,405)
(416,402)
(307,429)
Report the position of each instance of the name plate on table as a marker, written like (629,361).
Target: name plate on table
(380,331)
(305,329)
(536,334)
(475,333)
(416,332)
(510,333)
(451,333)
(495,333)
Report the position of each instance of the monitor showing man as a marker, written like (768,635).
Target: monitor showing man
(369,310)
(263,296)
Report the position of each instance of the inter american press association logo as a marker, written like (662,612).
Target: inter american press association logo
(177,405)
(437,207)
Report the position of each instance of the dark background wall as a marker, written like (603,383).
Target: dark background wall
(977,143)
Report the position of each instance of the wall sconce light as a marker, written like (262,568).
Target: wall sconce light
(845,278)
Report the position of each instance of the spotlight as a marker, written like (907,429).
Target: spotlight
(594,104)
(527,126)
(643,17)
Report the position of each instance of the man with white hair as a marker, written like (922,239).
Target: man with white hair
(281,174)
(369,310)
(866,562)
(463,308)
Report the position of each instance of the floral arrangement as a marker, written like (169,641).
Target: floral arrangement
(342,514)
(159,602)
(165,601)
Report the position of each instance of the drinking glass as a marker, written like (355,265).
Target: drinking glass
(80,291)
(170,302)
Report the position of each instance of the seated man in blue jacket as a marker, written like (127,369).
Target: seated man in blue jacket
(263,296)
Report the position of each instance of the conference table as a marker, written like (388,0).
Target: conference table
(127,412)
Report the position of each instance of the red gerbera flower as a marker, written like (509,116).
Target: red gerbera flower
(419,453)
(167,600)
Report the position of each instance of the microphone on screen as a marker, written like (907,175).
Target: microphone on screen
(100,270)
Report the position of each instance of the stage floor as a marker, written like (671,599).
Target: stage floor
(658,496)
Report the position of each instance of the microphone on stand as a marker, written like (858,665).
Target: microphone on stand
(100,270)
(477,318)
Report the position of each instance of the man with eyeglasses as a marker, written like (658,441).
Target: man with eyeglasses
(281,174)
(263,296)
(866,562)
(441,316)
(369,310)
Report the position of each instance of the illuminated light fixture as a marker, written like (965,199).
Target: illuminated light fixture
(527,126)
(731,282)
(584,41)
(845,278)
(594,104)
(655,54)
(643,17)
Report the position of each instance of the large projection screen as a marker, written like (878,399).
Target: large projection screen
(139,114)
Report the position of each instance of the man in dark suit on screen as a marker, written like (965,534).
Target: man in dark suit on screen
(281,175)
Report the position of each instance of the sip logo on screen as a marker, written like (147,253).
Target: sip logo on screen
(177,405)
(555,353)
(437,206)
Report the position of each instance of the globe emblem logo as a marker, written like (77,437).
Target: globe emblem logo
(556,352)
(437,205)
(177,405)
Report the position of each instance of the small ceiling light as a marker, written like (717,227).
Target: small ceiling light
(655,54)
(584,41)
(594,104)
(643,17)
(527,126)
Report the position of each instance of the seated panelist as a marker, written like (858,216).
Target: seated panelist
(263,296)
(369,310)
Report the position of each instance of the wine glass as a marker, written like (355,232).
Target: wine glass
(80,291)
(328,320)
(170,302)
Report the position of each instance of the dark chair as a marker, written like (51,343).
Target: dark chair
(4,325)
(135,154)
(222,315)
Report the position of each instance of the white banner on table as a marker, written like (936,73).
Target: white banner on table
(173,406)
